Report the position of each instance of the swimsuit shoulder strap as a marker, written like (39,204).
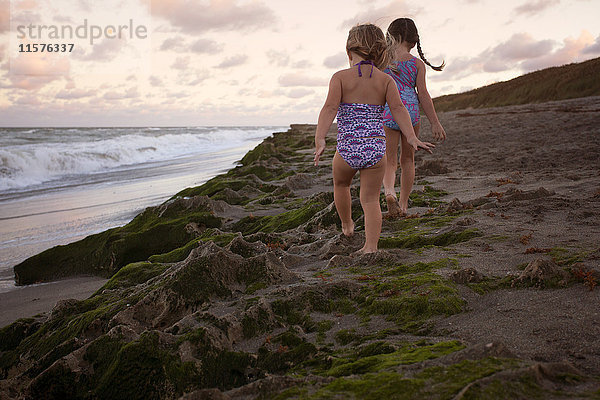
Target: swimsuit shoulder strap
(369,62)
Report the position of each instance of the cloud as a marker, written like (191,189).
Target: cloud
(521,46)
(174,43)
(156,81)
(279,58)
(233,61)
(28,100)
(192,78)
(534,7)
(593,48)
(206,46)
(336,61)
(299,93)
(74,94)
(298,79)
(200,46)
(4,16)
(522,53)
(128,94)
(379,15)
(195,16)
(106,50)
(181,63)
(302,64)
(571,51)
(32,71)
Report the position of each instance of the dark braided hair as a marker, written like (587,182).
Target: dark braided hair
(405,30)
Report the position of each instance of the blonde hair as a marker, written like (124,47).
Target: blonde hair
(368,41)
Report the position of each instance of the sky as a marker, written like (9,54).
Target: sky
(253,62)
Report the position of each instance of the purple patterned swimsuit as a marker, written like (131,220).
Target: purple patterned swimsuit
(405,77)
(360,139)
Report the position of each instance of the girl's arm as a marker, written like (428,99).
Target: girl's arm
(427,103)
(402,117)
(327,115)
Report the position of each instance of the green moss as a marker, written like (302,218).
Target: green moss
(292,351)
(432,383)
(346,336)
(141,369)
(56,383)
(446,382)
(566,257)
(179,254)
(255,286)
(252,325)
(404,269)
(151,232)
(343,305)
(428,197)
(410,300)
(281,222)
(12,335)
(322,328)
(413,241)
(490,284)
(409,354)
(134,274)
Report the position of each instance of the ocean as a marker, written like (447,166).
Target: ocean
(59,185)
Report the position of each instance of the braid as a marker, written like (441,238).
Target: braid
(425,60)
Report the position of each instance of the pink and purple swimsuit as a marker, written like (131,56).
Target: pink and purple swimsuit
(405,76)
(361,139)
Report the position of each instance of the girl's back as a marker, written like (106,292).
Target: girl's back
(404,73)
(370,88)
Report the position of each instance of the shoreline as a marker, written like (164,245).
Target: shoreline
(28,301)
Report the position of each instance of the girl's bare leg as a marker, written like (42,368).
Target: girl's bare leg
(370,187)
(342,179)
(407,176)
(392,138)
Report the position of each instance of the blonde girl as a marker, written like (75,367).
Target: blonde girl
(358,97)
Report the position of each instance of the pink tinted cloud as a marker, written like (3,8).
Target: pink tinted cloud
(4,16)
(573,50)
(199,46)
(106,50)
(206,46)
(531,8)
(593,48)
(336,61)
(523,53)
(32,71)
(298,79)
(194,16)
(130,93)
(380,15)
(233,61)
(74,94)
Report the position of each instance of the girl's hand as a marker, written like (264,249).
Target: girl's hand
(438,132)
(417,144)
(319,149)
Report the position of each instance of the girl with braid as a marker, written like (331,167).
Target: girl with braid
(357,97)
(409,74)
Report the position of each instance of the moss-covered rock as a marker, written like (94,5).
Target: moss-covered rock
(155,231)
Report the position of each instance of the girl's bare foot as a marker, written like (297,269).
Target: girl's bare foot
(348,229)
(394,209)
(363,251)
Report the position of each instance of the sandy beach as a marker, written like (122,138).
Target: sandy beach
(28,301)
(492,280)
